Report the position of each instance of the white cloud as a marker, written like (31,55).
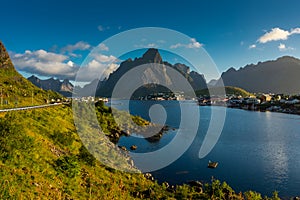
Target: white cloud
(193,44)
(102,28)
(150,45)
(295,31)
(277,34)
(45,63)
(99,67)
(45,56)
(103,47)
(104,58)
(282,47)
(175,46)
(75,55)
(161,41)
(96,70)
(78,46)
(253,46)
(70,63)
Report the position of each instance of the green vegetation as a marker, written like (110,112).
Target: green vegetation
(115,123)
(42,157)
(229,90)
(15,90)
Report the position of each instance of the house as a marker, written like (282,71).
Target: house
(251,100)
(265,97)
(292,101)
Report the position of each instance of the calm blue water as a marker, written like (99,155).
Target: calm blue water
(256,151)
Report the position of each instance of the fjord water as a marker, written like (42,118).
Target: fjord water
(256,151)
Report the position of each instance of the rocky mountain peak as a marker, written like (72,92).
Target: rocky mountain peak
(5,61)
(152,55)
(152,78)
(64,87)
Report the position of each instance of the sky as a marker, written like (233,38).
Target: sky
(52,38)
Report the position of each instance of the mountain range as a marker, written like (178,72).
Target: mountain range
(157,70)
(277,76)
(63,87)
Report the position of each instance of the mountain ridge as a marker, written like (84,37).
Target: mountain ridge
(64,87)
(272,76)
(157,70)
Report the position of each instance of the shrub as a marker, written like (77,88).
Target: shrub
(86,156)
(65,139)
(219,190)
(251,195)
(68,165)
(12,138)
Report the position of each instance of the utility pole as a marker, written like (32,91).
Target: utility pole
(1,98)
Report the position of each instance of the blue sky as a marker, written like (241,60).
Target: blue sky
(234,33)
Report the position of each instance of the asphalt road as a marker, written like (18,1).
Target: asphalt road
(29,107)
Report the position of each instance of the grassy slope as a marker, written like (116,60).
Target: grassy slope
(41,157)
(228,89)
(16,90)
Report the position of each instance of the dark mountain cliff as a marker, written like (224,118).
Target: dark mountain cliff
(159,73)
(278,76)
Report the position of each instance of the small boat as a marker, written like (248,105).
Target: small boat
(133,147)
(212,164)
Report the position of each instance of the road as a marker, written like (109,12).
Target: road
(29,107)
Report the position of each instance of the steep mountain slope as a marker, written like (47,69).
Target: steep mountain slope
(278,76)
(161,75)
(15,90)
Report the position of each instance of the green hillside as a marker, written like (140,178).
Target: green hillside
(42,157)
(228,89)
(15,90)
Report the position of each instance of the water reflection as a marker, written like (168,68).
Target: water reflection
(275,152)
(257,151)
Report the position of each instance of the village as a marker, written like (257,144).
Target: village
(258,102)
